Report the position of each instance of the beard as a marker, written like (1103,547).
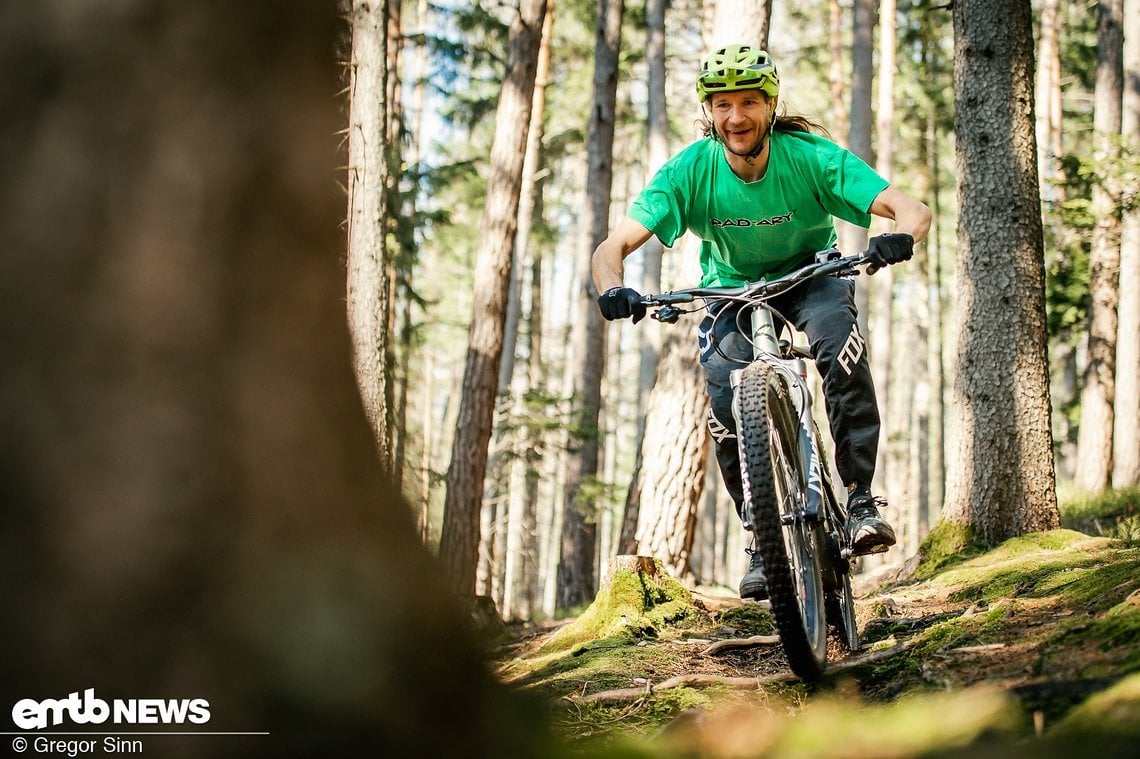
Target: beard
(751,149)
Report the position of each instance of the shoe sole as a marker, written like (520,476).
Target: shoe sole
(871,543)
(755,594)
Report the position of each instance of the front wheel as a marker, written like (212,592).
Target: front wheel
(775,494)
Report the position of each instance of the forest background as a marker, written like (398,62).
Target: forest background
(596,443)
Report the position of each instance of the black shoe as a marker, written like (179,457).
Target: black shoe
(869,532)
(754,584)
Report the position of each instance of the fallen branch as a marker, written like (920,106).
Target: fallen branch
(622,695)
(714,603)
(852,662)
(731,643)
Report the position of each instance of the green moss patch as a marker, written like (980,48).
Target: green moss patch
(1108,643)
(947,544)
(748,620)
(633,605)
(1036,565)
(616,725)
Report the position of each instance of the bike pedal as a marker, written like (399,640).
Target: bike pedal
(880,548)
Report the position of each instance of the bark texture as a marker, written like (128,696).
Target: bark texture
(1001,480)
(674,456)
(369,274)
(459,541)
(853,239)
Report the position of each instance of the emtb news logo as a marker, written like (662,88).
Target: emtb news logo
(29,714)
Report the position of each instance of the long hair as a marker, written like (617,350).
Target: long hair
(784,122)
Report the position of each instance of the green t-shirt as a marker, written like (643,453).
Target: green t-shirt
(764,228)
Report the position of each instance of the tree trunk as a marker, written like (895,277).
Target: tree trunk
(836,81)
(1126,447)
(890,467)
(853,239)
(427,429)
(369,304)
(1049,150)
(1094,439)
(460,539)
(1002,481)
(520,510)
(657,139)
(744,21)
(193,502)
(935,370)
(673,467)
(576,575)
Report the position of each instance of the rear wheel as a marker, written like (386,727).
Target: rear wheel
(775,492)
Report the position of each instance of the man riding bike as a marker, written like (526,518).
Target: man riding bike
(761,191)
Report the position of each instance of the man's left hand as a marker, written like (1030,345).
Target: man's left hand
(884,250)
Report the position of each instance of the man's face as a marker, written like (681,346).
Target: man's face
(741,118)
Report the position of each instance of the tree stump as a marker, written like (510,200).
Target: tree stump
(639,565)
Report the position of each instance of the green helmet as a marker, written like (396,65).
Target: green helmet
(737,67)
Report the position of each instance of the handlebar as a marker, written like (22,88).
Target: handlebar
(828,263)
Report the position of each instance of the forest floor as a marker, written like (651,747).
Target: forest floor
(1031,648)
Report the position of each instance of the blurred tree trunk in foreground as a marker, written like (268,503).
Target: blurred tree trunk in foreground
(193,504)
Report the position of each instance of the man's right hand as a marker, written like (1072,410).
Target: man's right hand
(621,303)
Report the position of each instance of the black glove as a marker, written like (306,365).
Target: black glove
(884,250)
(621,303)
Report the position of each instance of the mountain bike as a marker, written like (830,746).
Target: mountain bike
(799,524)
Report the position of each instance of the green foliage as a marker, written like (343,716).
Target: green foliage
(1113,513)
(1078,54)
(1068,229)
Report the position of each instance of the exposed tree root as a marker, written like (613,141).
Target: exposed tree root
(734,643)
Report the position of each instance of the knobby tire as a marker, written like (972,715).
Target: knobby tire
(775,492)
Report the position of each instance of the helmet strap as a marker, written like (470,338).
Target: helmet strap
(767,136)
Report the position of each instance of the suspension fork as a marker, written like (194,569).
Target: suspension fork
(766,348)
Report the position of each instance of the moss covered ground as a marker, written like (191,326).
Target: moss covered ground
(1029,648)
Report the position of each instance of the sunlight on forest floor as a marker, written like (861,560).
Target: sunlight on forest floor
(1027,649)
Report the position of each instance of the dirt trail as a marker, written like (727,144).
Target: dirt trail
(1044,621)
